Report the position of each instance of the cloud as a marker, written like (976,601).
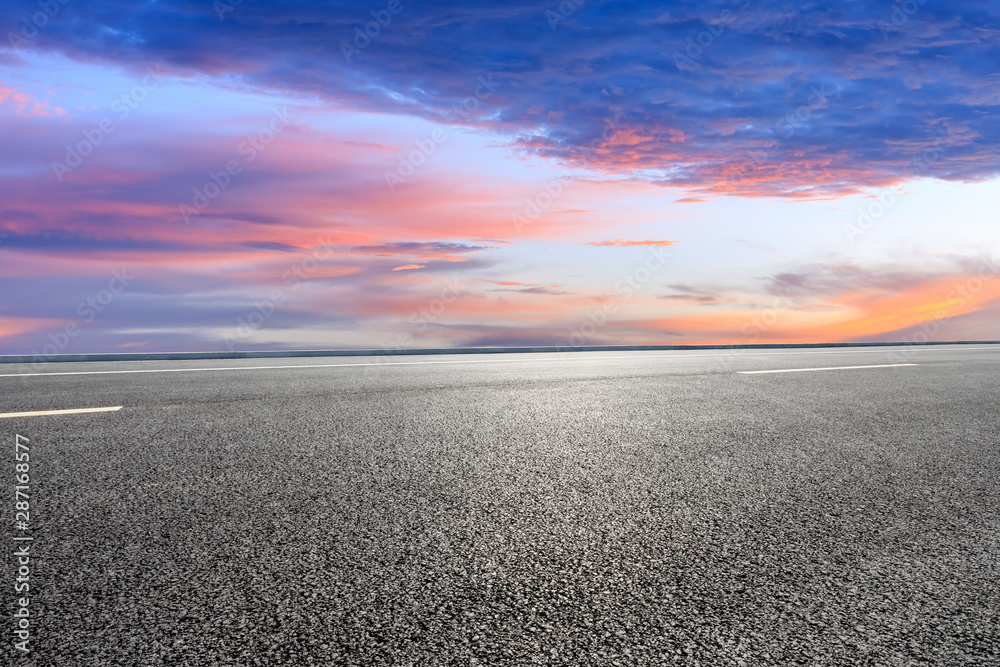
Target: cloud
(831,301)
(628,244)
(525,288)
(494,241)
(786,100)
(842,301)
(688,295)
(979,324)
(418,248)
(551,291)
(423,250)
(777,99)
(135,344)
(536,289)
(64,241)
(823,279)
(24,103)
(272,245)
(508,283)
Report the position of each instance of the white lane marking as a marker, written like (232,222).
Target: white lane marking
(831,368)
(45,413)
(258,368)
(576,356)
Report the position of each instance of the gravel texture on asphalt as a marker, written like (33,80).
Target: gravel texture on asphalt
(595,509)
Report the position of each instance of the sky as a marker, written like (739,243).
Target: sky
(243,175)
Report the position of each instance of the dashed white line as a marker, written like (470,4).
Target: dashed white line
(829,368)
(45,413)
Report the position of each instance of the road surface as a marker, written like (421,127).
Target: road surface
(632,508)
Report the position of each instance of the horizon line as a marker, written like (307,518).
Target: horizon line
(379,352)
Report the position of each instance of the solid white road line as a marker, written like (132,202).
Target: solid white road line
(831,368)
(259,368)
(45,413)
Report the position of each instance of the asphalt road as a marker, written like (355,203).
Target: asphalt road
(646,508)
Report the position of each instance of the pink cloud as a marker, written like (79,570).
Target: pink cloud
(26,104)
(628,244)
